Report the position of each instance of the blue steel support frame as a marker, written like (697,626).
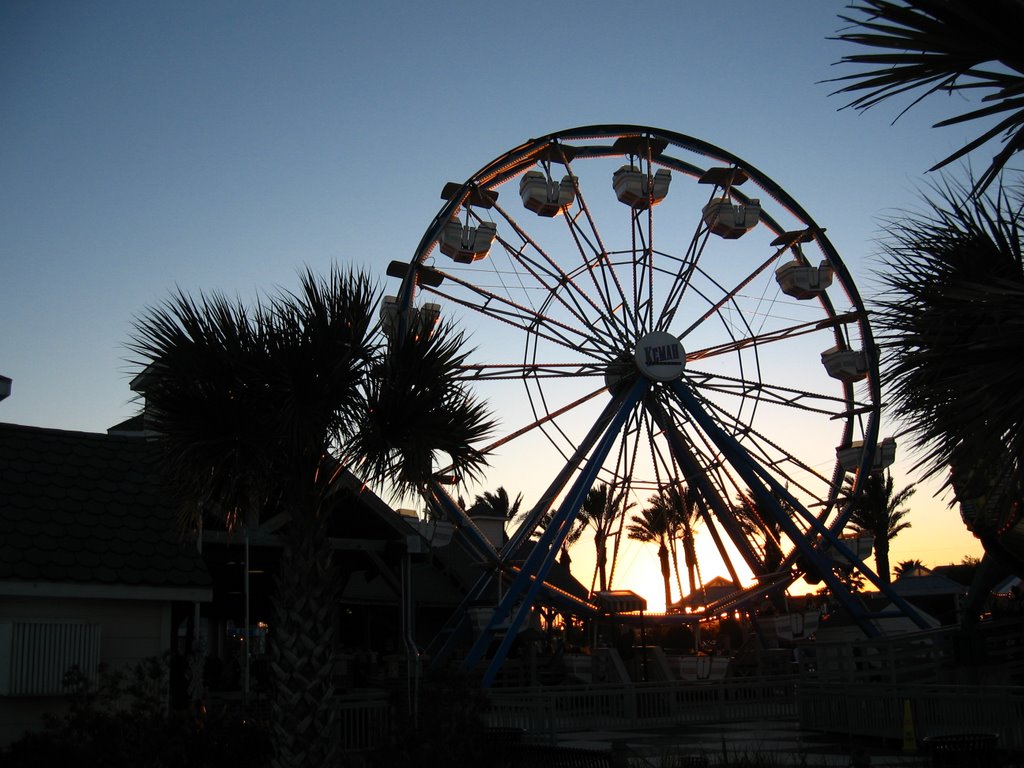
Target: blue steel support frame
(753,475)
(528,581)
(486,581)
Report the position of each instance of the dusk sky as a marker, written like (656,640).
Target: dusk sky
(224,146)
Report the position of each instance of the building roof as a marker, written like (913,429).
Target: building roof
(925,583)
(90,510)
(711,592)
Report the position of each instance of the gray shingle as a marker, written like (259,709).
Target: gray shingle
(90,508)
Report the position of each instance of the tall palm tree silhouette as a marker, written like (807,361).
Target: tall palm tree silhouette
(259,409)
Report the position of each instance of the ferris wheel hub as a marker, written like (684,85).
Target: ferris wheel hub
(660,356)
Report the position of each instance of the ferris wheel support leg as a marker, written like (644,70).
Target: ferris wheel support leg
(756,477)
(441,646)
(528,581)
(834,541)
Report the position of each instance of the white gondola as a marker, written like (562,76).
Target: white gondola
(466,244)
(427,318)
(546,197)
(850,456)
(731,220)
(802,281)
(389,315)
(421,320)
(847,365)
(789,626)
(630,185)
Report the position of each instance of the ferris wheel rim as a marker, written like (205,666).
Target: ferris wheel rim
(524,157)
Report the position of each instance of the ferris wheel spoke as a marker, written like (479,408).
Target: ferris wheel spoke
(642,249)
(504,310)
(730,295)
(767,489)
(561,286)
(720,512)
(519,371)
(800,329)
(783,464)
(595,259)
(833,406)
(694,253)
(623,485)
(611,411)
(683,276)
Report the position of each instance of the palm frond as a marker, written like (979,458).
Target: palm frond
(935,46)
(418,410)
(951,327)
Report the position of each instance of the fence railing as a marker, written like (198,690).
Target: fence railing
(989,652)
(553,709)
(861,688)
(895,712)
(364,719)
(875,710)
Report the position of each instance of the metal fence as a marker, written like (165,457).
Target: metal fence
(923,684)
(554,709)
(364,720)
(898,712)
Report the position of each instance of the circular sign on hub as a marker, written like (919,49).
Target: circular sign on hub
(660,356)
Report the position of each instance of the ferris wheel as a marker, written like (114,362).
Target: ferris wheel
(650,312)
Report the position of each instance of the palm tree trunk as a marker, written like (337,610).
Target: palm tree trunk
(602,561)
(675,566)
(304,732)
(690,555)
(666,573)
(882,559)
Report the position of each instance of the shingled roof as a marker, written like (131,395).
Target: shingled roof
(88,512)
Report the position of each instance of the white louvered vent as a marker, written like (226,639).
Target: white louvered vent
(35,655)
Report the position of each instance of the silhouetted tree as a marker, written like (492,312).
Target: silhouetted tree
(924,47)
(258,409)
(880,512)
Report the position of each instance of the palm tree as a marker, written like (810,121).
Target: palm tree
(601,508)
(679,505)
(950,315)
(256,411)
(496,504)
(416,409)
(950,323)
(880,513)
(576,529)
(943,46)
(906,567)
(652,526)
